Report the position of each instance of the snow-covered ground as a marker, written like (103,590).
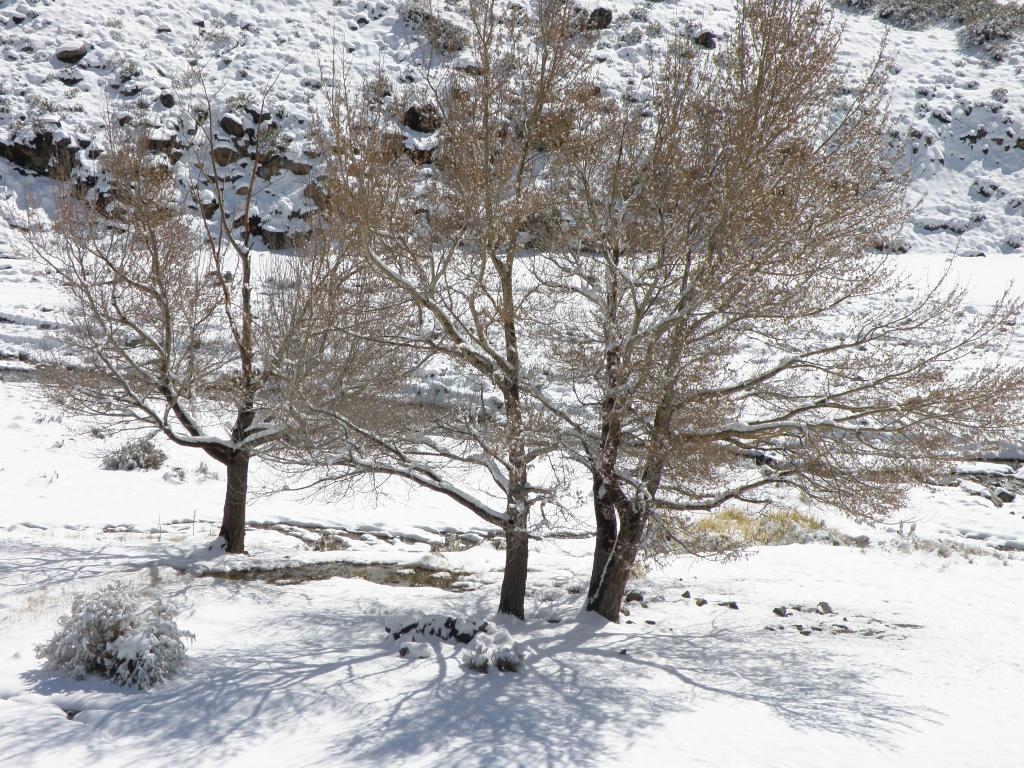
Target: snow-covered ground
(916,666)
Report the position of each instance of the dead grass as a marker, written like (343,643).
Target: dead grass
(772,527)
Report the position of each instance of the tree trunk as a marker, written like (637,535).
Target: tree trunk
(513,584)
(619,529)
(232,527)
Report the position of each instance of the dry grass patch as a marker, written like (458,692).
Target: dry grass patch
(772,527)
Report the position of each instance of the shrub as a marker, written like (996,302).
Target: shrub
(442,34)
(496,650)
(135,454)
(772,528)
(110,633)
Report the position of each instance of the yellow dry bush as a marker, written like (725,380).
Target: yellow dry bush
(773,527)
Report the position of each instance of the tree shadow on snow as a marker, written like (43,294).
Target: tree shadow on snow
(340,690)
(580,692)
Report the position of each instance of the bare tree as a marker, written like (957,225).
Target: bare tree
(162,318)
(715,303)
(447,236)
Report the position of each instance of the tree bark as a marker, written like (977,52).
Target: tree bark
(232,527)
(619,530)
(513,583)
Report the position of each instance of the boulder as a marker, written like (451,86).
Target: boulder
(72,51)
(422,117)
(232,125)
(600,18)
(706,39)
(223,155)
(38,154)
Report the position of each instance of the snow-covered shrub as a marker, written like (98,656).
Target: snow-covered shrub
(444,35)
(140,453)
(111,633)
(495,649)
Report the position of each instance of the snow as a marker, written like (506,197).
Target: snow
(915,667)
(314,675)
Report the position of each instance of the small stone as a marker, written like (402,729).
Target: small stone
(71,52)
(730,604)
(781,611)
(623,652)
(700,602)
(167,99)
(824,609)
(624,611)
(163,29)
(686,594)
(635,596)
(650,621)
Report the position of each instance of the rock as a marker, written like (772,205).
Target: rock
(635,596)
(37,155)
(686,594)
(422,117)
(824,609)
(273,165)
(706,39)
(232,125)
(700,602)
(209,208)
(297,167)
(163,29)
(600,18)
(274,239)
(730,604)
(71,77)
(167,99)
(650,621)
(412,650)
(258,116)
(781,611)
(861,541)
(72,51)
(224,155)
(624,611)
(1004,494)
